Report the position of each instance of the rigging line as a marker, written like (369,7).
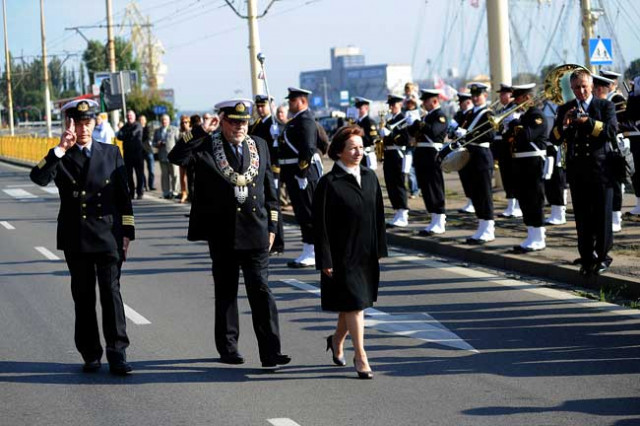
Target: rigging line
(446,37)
(416,40)
(550,42)
(616,44)
(630,22)
(633,7)
(475,42)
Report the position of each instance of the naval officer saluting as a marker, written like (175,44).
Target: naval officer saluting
(235,209)
(95,226)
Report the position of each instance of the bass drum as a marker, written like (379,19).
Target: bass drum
(453,160)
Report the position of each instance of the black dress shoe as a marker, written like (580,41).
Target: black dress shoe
(475,242)
(585,270)
(274,361)
(297,265)
(337,361)
(119,368)
(233,359)
(91,366)
(600,268)
(424,233)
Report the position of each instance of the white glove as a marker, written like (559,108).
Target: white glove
(302,182)
(410,119)
(275,183)
(548,168)
(275,131)
(460,132)
(384,132)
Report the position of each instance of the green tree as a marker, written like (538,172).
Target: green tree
(96,57)
(143,101)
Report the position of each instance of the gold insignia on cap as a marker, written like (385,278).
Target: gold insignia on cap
(240,107)
(442,119)
(82,107)
(539,120)
(373,127)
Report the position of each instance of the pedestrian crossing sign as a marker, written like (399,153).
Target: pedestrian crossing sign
(600,51)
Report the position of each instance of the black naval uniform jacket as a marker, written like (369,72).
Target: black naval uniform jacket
(587,145)
(301,132)
(262,129)
(370,130)
(399,135)
(432,127)
(95,208)
(481,157)
(529,147)
(216,216)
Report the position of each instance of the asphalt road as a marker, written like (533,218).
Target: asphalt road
(449,344)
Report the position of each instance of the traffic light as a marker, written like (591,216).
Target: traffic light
(109,101)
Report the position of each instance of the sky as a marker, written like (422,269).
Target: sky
(206,44)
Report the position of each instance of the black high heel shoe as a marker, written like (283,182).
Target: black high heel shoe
(366,375)
(337,361)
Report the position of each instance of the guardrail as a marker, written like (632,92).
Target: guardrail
(29,150)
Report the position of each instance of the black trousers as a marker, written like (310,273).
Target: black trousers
(278,242)
(430,179)
(135,164)
(226,265)
(394,179)
(464,180)
(616,204)
(635,179)
(527,173)
(592,207)
(554,187)
(301,199)
(480,192)
(505,163)
(84,269)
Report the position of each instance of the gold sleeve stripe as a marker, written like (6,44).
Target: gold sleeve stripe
(274,215)
(597,128)
(374,133)
(556,133)
(42,163)
(128,220)
(275,169)
(188,136)
(303,164)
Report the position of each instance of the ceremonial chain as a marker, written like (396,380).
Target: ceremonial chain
(238,180)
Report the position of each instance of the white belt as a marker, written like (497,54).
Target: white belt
(497,138)
(288,161)
(537,153)
(435,145)
(481,144)
(369,149)
(394,148)
(634,133)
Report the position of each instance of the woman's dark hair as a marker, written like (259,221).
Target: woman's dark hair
(339,140)
(195,120)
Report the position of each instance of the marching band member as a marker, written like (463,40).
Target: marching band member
(459,120)
(430,133)
(633,115)
(370,132)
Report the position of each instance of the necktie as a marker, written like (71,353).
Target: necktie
(238,154)
(86,152)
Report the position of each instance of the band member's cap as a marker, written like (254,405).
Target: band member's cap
(296,92)
(505,88)
(477,88)
(599,80)
(522,89)
(394,99)
(80,109)
(359,101)
(610,74)
(235,109)
(429,93)
(463,96)
(262,99)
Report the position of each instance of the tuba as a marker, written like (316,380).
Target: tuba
(557,89)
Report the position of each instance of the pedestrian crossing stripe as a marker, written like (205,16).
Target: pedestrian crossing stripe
(600,51)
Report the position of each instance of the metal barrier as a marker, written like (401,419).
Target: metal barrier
(30,150)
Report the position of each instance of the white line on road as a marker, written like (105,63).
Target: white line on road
(134,316)
(7,225)
(21,185)
(46,253)
(418,325)
(19,194)
(50,189)
(282,422)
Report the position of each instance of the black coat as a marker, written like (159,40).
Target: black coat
(301,132)
(262,129)
(587,144)
(481,158)
(95,208)
(370,130)
(216,216)
(349,230)
(400,133)
(131,136)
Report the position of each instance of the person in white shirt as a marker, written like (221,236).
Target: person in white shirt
(103,132)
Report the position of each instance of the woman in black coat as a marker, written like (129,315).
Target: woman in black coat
(349,227)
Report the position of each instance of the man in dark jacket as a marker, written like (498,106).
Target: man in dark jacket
(131,137)
(95,226)
(235,209)
(586,126)
(370,130)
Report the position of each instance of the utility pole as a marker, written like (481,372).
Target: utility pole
(111,51)
(588,21)
(326,98)
(47,95)
(151,71)
(499,50)
(8,66)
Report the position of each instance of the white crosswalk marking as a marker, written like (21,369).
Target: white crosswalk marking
(418,325)
(134,316)
(50,189)
(46,253)
(19,193)
(282,422)
(7,225)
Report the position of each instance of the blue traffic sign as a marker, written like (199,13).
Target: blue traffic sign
(600,52)
(159,109)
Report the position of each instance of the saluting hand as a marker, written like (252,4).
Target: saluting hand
(69,137)
(210,124)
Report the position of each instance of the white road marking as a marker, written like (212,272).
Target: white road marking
(7,225)
(19,194)
(50,189)
(523,286)
(282,422)
(22,185)
(134,316)
(46,253)
(419,325)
